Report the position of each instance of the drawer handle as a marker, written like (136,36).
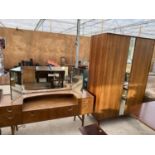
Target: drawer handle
(85,101)
(10,118)
(32,114)
(70,109)
(9,110)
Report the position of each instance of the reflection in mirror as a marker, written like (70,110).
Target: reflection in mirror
(127,74)
(29,79)
(130,54)
(15,83)
(150,86)
(77,79)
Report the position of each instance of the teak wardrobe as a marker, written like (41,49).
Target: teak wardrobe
(107,69)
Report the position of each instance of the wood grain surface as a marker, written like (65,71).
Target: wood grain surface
(108,60)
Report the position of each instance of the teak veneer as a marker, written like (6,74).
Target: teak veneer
(43,106)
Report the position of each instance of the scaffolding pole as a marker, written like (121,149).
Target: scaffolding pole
(77,43)
(1,62)
(2,46)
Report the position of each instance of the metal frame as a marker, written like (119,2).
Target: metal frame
(77,44)
(139,27)
(41,21)
(74,27)
(125,26)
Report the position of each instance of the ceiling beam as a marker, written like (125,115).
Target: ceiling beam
(83,24)
(61,21)
(40,22)
(74,27)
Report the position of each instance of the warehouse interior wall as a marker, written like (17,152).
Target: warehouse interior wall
(41,47)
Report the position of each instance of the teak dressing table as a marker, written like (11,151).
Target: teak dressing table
(43,106)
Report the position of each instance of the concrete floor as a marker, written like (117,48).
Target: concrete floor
(66,126)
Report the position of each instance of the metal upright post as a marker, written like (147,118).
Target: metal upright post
(1,62)
(77,43)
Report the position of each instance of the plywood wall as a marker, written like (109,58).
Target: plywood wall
(108,60)
(41,46)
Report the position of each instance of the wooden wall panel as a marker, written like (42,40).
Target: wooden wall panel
(41,46)
(139,72)
(107,70)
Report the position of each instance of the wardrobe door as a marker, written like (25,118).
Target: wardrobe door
(97,62)
(109,52)
(139,73)
(92,64)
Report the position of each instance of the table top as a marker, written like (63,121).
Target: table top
(40,68)
(6,99)
(16,69)
(49,68)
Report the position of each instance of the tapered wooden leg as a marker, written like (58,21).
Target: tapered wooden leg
(83,117)
(74,118)
(98,123)
(16,127)
(12,130)
(0,131)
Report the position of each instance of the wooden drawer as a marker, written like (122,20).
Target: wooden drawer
(35,116)
(42,115)
(63,112)
(10,110)
(10,119)
(86,106)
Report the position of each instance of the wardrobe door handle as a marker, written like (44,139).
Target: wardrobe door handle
(70,109)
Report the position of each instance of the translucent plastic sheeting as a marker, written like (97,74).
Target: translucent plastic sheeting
(88,27)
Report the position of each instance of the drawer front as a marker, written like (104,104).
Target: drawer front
(10,119)
(35,116)
(42,115)
(63,112)
(86,106)
(10,110)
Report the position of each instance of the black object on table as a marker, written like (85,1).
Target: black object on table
(59,79)
(92,129)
